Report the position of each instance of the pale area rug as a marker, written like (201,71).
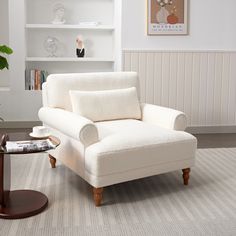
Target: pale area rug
(158,205)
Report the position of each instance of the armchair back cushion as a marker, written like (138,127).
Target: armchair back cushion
(106,104)
(59,85)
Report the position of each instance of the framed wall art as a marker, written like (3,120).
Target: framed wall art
(167,17)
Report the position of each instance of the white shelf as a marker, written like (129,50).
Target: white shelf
(39,92)
(67,26)
(68,59)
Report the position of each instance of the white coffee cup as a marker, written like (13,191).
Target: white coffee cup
(40,131)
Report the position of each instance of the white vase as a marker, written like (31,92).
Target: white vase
(162,15)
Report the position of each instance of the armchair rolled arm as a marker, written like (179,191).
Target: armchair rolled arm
(70,124)
(165,117)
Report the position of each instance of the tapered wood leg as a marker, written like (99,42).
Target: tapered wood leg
(97,196)
(186,175)
(52,160)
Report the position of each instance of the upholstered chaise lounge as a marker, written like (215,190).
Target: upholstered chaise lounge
(107,136)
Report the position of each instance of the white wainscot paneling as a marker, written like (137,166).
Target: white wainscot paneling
(200,83)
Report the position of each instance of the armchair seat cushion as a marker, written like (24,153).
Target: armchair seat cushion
(131,144)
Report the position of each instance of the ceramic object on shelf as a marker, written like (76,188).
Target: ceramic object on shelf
(80,50)
(51,46)
(59,14)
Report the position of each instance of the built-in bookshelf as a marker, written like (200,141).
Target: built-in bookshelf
(101,40)
(30,22)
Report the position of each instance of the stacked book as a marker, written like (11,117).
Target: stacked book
(34,79)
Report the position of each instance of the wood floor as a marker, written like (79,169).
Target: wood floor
(204,140)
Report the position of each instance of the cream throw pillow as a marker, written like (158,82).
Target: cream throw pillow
(107,104)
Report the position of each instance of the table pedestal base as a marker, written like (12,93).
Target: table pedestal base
(23,203)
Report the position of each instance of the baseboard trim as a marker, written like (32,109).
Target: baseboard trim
(211,129)
(192,130)
(19,124)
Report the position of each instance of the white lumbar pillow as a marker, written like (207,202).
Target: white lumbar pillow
(107,104)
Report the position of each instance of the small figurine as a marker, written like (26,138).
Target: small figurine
(51,45)
(59,14)
(80,51)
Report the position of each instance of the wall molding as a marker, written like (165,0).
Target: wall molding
(179,50)
(199,83)
(192,130)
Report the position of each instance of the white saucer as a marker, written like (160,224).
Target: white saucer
(36,136)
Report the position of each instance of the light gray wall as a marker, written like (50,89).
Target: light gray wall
(212,25)
(4,38)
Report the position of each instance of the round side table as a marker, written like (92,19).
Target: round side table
(18,203)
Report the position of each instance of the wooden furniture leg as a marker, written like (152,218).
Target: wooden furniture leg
(186,175)
(97,196)
(52,160)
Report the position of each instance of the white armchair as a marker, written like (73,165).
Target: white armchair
(107,136)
